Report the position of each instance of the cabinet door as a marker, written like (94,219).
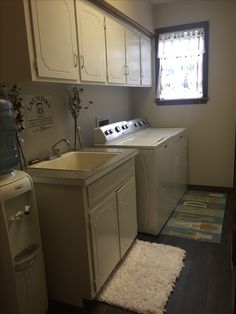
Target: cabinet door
(126,200)
(55,39)
(91,39)
(132,57)
(146,61)
(105,239)
(115,45)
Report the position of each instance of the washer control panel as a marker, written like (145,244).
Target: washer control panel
(114,131)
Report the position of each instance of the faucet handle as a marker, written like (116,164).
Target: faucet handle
(55,153)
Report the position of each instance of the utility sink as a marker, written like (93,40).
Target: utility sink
(77,160)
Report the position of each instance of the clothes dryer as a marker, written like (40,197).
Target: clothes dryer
(161,167)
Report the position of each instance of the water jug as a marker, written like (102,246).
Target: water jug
(9,153)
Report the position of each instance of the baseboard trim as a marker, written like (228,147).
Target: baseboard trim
(219,189)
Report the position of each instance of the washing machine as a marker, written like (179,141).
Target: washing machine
(161,167)
(23,282)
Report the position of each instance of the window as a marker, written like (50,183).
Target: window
(182,64)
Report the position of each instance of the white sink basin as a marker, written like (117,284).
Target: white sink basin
(80,161)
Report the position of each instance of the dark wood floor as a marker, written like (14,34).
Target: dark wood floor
(206,283)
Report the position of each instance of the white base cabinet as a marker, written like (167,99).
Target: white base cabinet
(126,200)
(105,239)
(113,229)
(86,230)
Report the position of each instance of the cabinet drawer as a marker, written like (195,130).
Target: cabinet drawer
(110,182)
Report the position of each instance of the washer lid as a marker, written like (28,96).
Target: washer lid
(164,131)
(140,140)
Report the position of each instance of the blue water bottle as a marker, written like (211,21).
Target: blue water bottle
(9,153)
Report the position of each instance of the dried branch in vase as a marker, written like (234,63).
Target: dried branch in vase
(75,107)
(13,94)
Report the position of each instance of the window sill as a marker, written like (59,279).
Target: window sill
(193,101)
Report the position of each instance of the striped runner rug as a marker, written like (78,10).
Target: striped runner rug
(199,215)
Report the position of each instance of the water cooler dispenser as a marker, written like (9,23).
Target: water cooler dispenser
(22,275)
(23,284)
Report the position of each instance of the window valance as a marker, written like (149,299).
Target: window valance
(181,44)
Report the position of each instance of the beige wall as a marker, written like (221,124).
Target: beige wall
(138,10)
(107,101)
(210,126)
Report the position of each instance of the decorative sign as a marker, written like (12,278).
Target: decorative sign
(39,114)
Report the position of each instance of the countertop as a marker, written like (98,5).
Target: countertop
(75,177)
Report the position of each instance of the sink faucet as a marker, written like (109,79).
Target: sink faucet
(55,152)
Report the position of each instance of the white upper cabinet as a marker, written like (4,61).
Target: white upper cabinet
(55,39)
(123,54)
(115,44)
(146,61)
(91,38)
(132,57)
(70,41)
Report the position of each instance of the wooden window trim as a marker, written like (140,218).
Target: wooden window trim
(204,99)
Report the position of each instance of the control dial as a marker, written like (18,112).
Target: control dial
(107,132)
(118,129)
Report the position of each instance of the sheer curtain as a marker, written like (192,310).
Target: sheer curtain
(180,67)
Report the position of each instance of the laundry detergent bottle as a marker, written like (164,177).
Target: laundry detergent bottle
(9,153)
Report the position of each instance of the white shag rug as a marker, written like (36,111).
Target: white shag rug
(145,279)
